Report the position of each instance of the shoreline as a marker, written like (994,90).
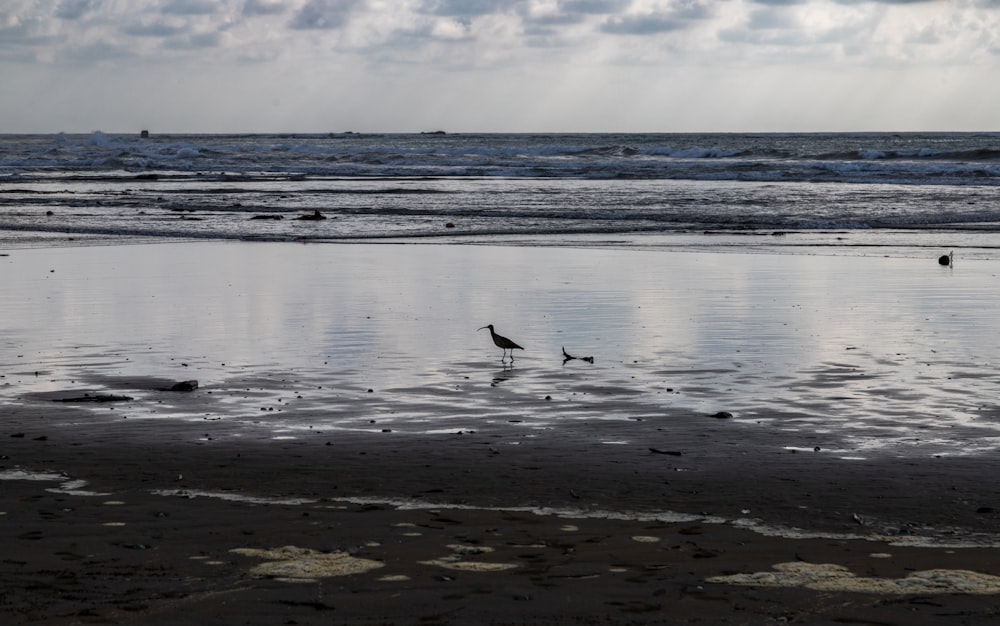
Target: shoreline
(971,245)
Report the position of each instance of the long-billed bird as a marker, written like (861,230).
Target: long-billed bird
(503,343)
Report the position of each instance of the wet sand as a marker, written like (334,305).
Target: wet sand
(457,532)
(317,486)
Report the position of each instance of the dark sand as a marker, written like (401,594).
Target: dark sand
(152,540)
(460,491)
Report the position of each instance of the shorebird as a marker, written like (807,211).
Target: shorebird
(503,343)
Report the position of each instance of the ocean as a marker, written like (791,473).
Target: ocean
(885,194)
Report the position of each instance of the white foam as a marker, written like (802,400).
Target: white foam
(68,485)
(231,497)
(663,516)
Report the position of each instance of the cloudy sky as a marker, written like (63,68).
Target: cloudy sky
(499,65)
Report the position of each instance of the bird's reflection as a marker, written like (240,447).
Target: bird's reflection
(503,375)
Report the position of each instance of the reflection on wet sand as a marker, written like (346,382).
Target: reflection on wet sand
(291,337)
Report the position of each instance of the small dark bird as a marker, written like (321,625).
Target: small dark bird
(503,343)
(569,357)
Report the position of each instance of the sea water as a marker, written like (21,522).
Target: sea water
(909,195)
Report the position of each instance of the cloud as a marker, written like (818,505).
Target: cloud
(264,7)
(75,9)
(495,64)
(198,41)
(680,16)
(189,7)
(95,53)
(469,8)
(325,14)
(884,1)
(643,25)
(156,28)
(593,7)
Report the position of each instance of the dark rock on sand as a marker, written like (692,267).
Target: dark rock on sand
(722,415)
(316,215)
(185,385)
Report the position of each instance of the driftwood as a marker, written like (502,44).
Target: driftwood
(100,397)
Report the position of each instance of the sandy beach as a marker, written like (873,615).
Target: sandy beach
(759,439)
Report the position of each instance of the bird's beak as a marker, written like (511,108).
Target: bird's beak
(482,327)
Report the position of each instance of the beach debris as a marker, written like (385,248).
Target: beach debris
(722,415)
(947,260)
(315,215)
(268,217)
(669,452)
(569,357)
(99,397)
(455,560)
(502,342)
(185,385)
(294,564)
(832,577)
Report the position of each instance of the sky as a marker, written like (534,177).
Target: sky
(499,65)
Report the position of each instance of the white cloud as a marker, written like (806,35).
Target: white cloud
(502,64)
